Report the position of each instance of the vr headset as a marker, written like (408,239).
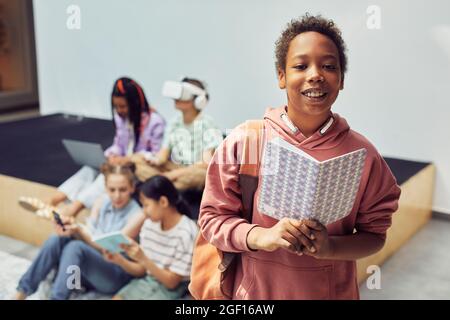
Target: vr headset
(185,91)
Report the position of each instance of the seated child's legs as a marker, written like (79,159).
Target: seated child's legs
(145,171)
(87,196)
(193,179)
(101,275)
(47,259)
(78,182)
(169,166)
(92,192)
(57,198)
(73,209)
(148,288)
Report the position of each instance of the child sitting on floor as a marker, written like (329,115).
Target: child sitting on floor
(73,245)
(162,260)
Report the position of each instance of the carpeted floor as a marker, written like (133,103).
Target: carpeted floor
(15,258)
(11,269)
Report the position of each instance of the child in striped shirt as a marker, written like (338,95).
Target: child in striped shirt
(162,260)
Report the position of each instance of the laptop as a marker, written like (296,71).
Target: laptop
(85,153)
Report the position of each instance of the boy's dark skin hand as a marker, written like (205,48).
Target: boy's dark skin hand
(318,234)
(345,247)
(285,234)
(311,238)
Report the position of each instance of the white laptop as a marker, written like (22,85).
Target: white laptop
(85,153)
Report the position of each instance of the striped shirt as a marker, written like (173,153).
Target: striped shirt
(170,249)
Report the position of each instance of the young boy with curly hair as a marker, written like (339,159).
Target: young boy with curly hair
(288,258)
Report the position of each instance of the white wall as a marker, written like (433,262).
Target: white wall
(396,90)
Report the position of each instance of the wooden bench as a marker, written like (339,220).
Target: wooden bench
(413,213)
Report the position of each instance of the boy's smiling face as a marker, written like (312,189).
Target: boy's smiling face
(312,77)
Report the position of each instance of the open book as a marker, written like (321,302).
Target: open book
(111,241)
(296,185)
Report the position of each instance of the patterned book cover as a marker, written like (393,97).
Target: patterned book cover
(296,185)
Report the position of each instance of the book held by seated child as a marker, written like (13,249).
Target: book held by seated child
(111,241)
(296,185)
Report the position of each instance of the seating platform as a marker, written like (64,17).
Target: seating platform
(34,162)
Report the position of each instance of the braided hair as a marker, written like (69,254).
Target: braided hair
(137,102)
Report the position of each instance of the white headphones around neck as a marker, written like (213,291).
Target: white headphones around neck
(185,91)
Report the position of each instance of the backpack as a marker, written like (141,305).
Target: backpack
(213,271)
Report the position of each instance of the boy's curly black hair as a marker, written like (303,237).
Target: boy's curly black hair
(309,23)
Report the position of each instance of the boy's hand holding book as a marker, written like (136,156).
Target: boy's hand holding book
(308,237)
(285,234)
(318,234)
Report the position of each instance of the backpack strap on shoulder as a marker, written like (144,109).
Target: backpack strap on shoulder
(252,147)
(249,166)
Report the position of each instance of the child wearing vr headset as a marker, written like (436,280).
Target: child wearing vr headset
(189,139)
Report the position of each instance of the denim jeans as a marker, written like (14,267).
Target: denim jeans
(64,252)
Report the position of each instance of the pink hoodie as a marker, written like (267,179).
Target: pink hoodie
(281,274)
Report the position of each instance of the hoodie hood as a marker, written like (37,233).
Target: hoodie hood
(331,134)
